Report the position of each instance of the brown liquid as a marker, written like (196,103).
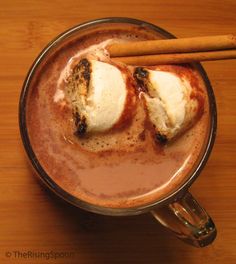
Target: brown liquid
(124,168)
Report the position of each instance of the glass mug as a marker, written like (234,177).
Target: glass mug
(179,212)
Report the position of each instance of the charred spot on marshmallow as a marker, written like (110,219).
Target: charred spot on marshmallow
(80,124)
(140,72)
(81,128)
(77,118)
(81,76)
(84,66)
(141,77)
(78,81)
(78,85)
(161,138)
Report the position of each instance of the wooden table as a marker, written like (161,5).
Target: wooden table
(33,219)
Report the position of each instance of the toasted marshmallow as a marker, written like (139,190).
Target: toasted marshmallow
(98,92)
(168,100)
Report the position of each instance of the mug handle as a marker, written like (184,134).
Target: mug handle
(187,220)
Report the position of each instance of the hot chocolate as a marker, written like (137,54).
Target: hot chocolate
(103,144)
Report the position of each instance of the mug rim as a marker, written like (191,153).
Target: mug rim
(175,194)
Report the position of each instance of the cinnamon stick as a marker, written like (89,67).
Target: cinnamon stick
(177,58)
(197,44)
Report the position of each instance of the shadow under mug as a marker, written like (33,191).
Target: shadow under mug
(179,212)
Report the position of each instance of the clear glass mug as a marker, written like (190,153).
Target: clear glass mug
(178,211)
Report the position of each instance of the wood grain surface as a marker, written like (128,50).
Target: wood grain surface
(32,219)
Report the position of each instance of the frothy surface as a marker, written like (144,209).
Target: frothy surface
(124,168)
